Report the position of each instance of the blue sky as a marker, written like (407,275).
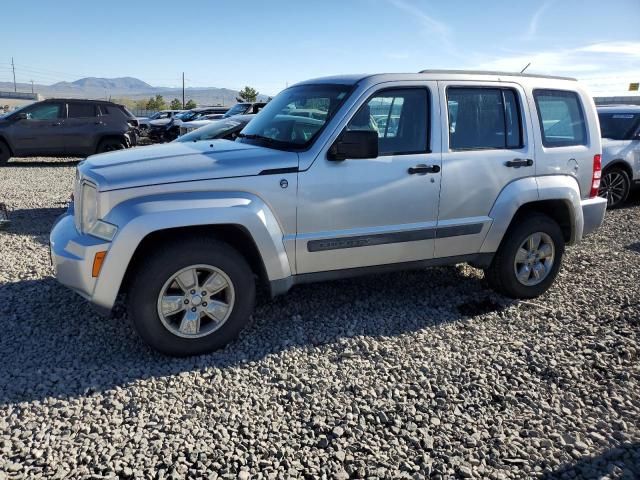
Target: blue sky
(269,44)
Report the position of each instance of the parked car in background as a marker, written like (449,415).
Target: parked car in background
(620,130)
(187,229)
(244,108)
(169,130)
(226,128)
(66,127)
(167,115)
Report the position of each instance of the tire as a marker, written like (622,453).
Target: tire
(5,153)
(501,274)
(153,278)
(615,186)
(110,145)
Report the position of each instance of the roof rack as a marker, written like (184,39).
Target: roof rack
(486,72)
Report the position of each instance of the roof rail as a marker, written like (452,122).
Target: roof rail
(486,72)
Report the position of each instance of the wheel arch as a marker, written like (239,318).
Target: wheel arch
(557,196)
(4,140)
(111,136)
(236,236)
(238,218)
(619,163)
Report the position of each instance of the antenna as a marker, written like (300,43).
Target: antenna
(522,71)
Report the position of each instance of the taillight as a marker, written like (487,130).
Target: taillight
(597,173)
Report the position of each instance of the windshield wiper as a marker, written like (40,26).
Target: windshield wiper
(253,136)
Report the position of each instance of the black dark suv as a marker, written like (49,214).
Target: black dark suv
(66,127)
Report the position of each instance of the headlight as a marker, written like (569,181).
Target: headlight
(88,214)
(88,207)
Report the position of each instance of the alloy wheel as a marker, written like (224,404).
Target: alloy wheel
(534,259)
(613,187)
(196,301)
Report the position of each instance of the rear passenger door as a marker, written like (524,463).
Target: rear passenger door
(80,128)
(487,144)
(568,146)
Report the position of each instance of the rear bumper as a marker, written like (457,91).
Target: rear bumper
(593,211)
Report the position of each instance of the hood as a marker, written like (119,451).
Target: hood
(182,162)
(197,123)
(160,122)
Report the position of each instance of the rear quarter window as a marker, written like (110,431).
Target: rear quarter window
(561,118)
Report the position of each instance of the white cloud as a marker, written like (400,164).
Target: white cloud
(624,48)
(535,19)
(606,68)
(432,26)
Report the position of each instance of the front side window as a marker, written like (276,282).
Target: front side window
(619,126)
(81,110)
(279,126)
(561,118)
(483,118)
(47,111)
(399,117)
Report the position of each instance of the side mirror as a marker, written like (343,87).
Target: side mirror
(354,144)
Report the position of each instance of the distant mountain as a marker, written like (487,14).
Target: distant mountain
(127,87)
(117,84)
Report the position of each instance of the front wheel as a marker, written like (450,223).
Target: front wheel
(191,297)
(614,186)
(5,153)
(528,260)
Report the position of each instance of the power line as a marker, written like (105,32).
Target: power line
(15,88)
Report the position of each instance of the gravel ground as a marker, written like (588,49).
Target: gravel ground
(410,375)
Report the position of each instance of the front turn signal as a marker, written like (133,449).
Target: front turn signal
(98,259)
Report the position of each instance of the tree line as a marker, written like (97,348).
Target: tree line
(247,94)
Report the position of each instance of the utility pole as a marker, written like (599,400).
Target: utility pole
(32,87)
(15,88)
(183,104)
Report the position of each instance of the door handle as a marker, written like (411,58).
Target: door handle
(519,162)
(57,124)
(424,169)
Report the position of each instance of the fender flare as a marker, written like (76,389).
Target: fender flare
(139,217)
(530,190)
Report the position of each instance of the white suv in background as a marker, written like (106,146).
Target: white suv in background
(620,131)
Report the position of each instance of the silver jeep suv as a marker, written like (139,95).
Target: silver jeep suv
(620,131)
(398,171)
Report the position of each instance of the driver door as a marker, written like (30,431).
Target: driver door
(364,212)
(41,132)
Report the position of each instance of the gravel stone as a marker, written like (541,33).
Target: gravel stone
(423,374)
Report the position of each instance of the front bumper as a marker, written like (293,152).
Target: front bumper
(72,255)
(593,211)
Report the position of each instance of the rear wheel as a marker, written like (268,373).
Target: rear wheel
(5,153)
(192,297)
(528,259)
(614,186)
(110,145)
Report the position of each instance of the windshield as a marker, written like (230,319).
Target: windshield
(619,126)
(186,116)
(218,129)
(279,124)
(236,110)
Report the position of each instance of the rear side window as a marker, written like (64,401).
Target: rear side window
(104,110)
(619,126)
(399,117)
(82,110)
(561,118)
(483,118)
